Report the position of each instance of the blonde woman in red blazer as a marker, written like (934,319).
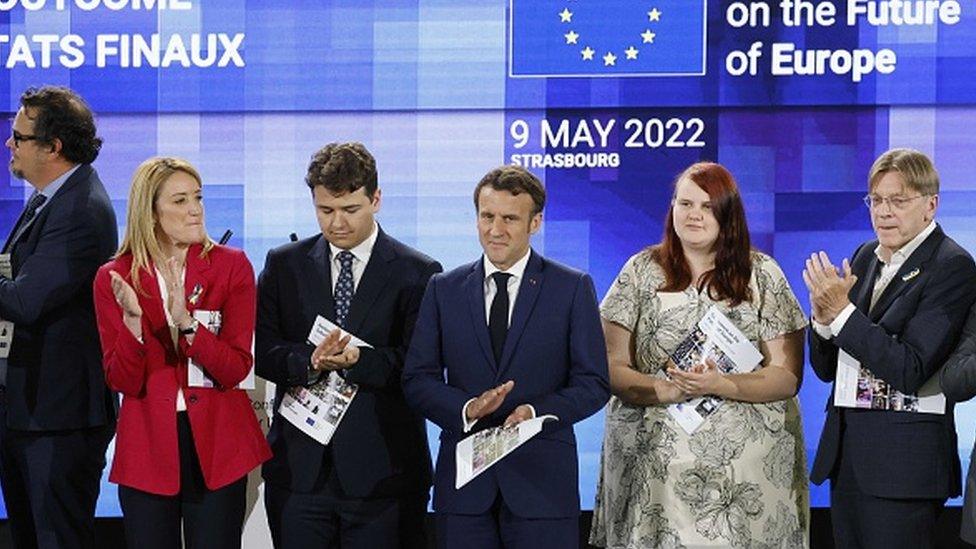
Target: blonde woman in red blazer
(182,453)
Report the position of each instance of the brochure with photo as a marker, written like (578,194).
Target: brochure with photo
(715,338)
(856,387)
(197,375)
(477,453)
(318,409)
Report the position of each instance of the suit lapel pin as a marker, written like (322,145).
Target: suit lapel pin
(911,275)
(195,295)
(532,281)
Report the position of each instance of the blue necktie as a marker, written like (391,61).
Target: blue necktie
(344,287)
(28,214)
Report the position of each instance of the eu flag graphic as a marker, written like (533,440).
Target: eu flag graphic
(553,38)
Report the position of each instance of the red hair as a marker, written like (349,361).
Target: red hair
(729,280)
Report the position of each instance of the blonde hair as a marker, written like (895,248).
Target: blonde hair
(140,238)
(915,168)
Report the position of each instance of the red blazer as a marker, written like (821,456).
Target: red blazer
(226,434)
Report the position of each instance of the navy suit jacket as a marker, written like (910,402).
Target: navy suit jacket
(904,339)
(54,372)
(380,448)
(555,353)
(959,384)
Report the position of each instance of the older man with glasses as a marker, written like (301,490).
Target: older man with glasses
(893,314)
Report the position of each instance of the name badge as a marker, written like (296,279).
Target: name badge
(6,327)
(6,337)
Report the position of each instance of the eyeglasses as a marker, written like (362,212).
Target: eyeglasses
(20,138)
(874,201)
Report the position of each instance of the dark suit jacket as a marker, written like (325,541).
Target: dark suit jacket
(380,448)
(226,435)
(904,340)
(555,353)
(959,384)
(54,375)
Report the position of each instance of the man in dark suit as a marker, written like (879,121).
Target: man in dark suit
(518,336)
(369,486)
(958,381)
(58,414)
(897,309)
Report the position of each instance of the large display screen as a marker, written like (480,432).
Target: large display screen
(605,100)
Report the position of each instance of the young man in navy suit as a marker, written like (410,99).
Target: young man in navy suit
(898,309)
(56,414)
(368,487)
(501,340)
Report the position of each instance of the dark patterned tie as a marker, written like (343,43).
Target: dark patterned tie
(344,287)
(33,204)
(498,316)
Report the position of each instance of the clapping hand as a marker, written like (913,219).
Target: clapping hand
(332,352)
(172,272)
(126,297)
(828,288)
(489,401)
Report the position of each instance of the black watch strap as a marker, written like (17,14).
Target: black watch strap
(192,329)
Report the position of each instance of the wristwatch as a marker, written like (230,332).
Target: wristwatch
(192,329)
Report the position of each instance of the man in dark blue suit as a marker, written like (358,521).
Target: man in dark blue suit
(958,381)
(898,309)
(369,486)
(507,338)
(57,414)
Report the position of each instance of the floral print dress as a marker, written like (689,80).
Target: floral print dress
(740,480)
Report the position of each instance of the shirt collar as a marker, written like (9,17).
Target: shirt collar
(900,255)
(516,270)
(362,250)
(55,185)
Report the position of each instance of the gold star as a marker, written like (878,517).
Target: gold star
(565,16)
(631,52)
(587,53)
(609,60)
(648,36)
(571,37)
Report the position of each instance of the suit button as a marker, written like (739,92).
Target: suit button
(193,399)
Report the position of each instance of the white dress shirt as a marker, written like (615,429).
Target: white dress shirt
(360,253)
(174,331)
(517,270)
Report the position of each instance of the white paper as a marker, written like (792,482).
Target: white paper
(196,374)
(318,410)
(715,337)
(6,337)
(323,327)
(477,453)
(6,327)
(857,387)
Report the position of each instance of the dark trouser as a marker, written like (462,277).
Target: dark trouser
(50,482)
(864,521)
(499,527)
(328,517)
(210,519)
